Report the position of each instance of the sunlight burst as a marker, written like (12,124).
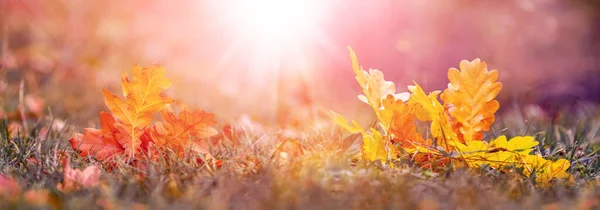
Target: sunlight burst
(279,22)
(272,31)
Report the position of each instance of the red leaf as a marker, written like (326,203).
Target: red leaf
(99,143)
(176,132)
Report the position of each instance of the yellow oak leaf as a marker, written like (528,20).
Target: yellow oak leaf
(374,146)
(374,86)
(500,153)
(341,121)
(520,144)
(474,154)
(546,170)
(470,99)
(144,96)
(428,108)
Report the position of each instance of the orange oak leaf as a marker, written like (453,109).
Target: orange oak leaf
(399,116)
(179,132)
(144,96)
(470,99)
(100,144)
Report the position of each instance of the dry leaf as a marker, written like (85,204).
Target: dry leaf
(399,117)
(101,144)
(470,99)
(374,86)
(143,97)
(428,108)
(177,131)
(374,146)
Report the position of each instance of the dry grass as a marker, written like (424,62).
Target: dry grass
(258,176)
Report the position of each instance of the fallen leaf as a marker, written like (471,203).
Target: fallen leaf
(100,144)
(470,99)
(428,108)
(179,131)
(143,97)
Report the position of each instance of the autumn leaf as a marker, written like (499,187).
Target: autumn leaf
(341,121)
(497,153)
(101,144)
(178,131)
(428,108)
(457,125)
(501,152)
(520,144)
(374,146)
(374,86)
(546,170)
(143,97)
(399,117)
(470,99)
(474,154)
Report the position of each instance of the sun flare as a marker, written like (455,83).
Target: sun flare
(276,21)
(272,31)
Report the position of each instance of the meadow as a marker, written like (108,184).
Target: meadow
(105,111)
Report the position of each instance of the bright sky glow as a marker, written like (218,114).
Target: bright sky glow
(277,20)
(273,30)
(272,42)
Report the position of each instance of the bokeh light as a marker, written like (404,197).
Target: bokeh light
(229,56)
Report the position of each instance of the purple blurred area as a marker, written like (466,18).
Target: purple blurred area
(546,50)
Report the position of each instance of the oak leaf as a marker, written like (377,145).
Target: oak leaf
(501,152)
(374,85)
(399,117)
(178,132)
(497,153)
(341,121)
(520,144)
(546,170)
(470,99)
(144,96)
(428,108)
(374,146)
(101,144)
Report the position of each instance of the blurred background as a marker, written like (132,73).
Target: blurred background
(270,58)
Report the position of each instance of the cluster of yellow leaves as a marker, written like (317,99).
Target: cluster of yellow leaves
(501,153)
(130,130)
(374,146)
(457,125)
